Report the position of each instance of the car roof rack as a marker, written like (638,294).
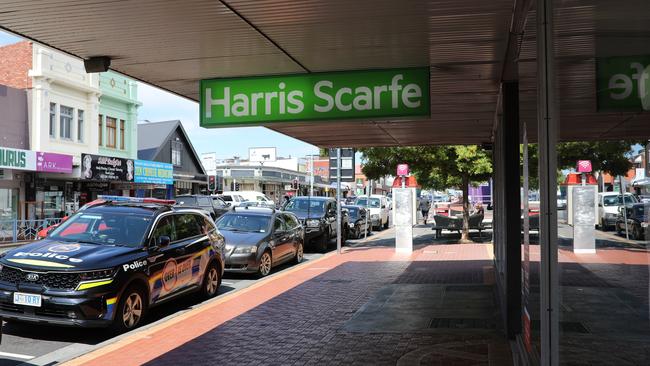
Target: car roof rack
(124,199)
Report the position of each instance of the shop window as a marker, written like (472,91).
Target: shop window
(177,148)
(101,130)
(65,122)
(122,134)
(111,130)
(52,119)
(80,125)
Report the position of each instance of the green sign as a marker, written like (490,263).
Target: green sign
(336,95)
(623,83)
(17,159)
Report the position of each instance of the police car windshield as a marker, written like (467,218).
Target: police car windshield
(244,222)
(104,228)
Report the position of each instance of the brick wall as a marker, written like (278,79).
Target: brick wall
(15,63)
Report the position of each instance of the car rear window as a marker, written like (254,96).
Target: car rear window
(186,201)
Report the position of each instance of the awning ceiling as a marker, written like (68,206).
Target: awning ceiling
(173,44)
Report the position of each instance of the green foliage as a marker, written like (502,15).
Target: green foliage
(611,157)
(435,167)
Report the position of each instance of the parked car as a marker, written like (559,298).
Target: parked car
(379,211)
(258,239)
(202,202)
(108,265)
(220,206)
(318,216)
(608,207)
(637,220)
(254,196)
(358,225)
(233,199)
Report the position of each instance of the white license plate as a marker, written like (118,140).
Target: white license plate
(27,299)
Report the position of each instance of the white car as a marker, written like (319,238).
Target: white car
(233,199)
(608,204)
(379,210)
(253,196)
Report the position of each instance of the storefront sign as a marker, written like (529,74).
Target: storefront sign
(335,95)
(153,172)
(17,159)
(53,163)
(623,83)
(105,168)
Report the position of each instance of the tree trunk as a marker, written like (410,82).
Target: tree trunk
(464,238)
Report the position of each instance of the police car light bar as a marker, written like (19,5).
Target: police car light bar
(135,199)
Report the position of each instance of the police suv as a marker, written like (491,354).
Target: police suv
(108,264)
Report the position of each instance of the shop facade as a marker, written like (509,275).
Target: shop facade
(167,142)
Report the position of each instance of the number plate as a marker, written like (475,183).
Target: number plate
(27,299)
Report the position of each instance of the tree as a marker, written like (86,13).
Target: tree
(435,167)
(612,157)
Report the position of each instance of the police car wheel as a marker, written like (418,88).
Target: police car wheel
(211,281)
(131,309)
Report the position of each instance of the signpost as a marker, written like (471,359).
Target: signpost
(347,164)
(338,199)
(391,93)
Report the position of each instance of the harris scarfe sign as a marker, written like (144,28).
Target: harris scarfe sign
(395,93)
(623,83)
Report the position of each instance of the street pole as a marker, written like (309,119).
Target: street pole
(620,180)
(338,200)
(311,175)
(367,204)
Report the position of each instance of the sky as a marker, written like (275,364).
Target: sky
(159,105)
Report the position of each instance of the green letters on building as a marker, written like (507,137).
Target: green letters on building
(395,93)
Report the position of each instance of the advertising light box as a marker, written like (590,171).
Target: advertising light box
(370,94)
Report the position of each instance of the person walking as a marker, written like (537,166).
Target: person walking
(424,208)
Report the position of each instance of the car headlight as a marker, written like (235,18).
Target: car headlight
(229,247)
(609,214)
(246,250)
(312,223)
(96,275)
(374,216)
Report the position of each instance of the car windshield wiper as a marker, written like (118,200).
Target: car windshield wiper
(88,242)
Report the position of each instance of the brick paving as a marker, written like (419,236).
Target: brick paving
(299,319)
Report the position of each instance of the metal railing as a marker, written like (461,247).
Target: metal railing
(12,231)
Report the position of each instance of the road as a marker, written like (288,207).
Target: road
(46,344)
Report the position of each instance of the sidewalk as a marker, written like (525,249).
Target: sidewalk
(367,306)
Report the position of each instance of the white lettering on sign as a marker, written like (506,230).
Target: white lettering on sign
(328,97)
(621,85)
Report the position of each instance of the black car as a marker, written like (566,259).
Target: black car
(318,216)
(358,223)
(206,203)
(258,239)
(107,265)
(637,220)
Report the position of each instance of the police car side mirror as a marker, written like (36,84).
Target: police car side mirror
(163,241)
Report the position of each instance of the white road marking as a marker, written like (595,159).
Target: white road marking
(227,283)
(16,355)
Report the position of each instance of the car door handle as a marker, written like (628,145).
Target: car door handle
(180,251)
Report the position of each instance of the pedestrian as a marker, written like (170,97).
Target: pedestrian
(424,207)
